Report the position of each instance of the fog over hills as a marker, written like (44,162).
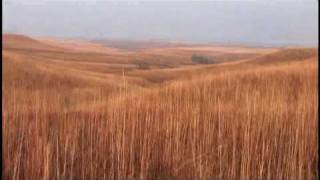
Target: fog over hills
(261,23)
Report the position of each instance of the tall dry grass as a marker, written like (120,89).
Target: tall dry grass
(244,124)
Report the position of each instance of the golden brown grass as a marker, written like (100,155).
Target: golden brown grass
(234,121)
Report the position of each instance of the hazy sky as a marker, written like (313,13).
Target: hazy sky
(259,22)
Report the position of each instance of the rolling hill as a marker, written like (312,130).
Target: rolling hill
(87,110)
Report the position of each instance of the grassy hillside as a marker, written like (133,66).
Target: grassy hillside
(88,114)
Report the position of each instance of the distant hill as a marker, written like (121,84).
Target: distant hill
(286,55)
(22,42)
(139,45)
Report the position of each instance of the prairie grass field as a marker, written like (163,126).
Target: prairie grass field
(88,111)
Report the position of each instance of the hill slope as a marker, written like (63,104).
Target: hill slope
(86,114)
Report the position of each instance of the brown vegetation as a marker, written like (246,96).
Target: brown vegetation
(68,117)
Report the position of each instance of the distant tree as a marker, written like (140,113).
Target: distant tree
(200,59)
(142,64)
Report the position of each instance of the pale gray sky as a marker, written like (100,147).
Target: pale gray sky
(259,22)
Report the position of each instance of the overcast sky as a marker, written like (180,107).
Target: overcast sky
(259,22)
